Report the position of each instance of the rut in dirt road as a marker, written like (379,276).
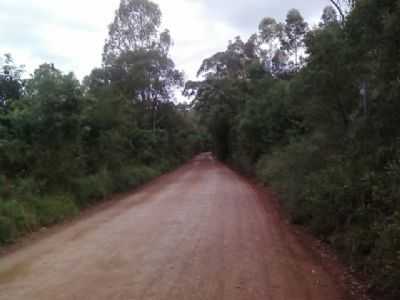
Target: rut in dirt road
(201,232)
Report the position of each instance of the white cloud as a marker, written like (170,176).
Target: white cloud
(69,33)
(195,36)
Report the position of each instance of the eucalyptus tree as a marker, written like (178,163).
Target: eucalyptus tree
(136,57)
(11,83)
(147,78)
(270,31)
(343,7)
(294,30)
(135,26)
(329,16)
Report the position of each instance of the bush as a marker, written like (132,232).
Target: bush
(286,170)
(164,166)
(328,199)
(25,188)
(384,262)
(23,218)
(4,190)
(92,188)
(133,176)
(53,209)
(346,203)
(19,217)
(16,219)
(8,230)
(144,173)
(124,179)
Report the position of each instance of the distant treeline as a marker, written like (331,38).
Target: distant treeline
(315,113)
(65,145)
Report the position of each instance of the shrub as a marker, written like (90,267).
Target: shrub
(165,166)
(124,178)
(286,170)
(25,188)
(384,261)
(144,173)
(92,188)
(8,230)
(133,176)
(52,209)
(16,219)
(328,199)
(4,190)
(345,202)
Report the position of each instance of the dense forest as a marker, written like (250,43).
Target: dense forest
(314,112)
(65,145)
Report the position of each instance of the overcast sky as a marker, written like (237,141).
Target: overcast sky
(71,33)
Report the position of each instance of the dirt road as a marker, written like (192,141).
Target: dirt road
(201,232)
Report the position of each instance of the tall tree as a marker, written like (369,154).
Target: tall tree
(343,6)
(135,27)
(147,78)
(270,32)
(295,29)
(269,29)
(10,81)
(136,57)
(329,16)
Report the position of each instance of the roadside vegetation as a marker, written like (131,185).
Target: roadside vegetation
(314,112)
(64,145)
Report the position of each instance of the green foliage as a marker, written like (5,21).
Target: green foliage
(53,209)
(25,188)
(65,145)
(265,119)
(286,169)
(384,259)
(328,199)
(323,131)
(135,27)
(133,176)
(294,31)
(94,187)
(16,218)
(11,84)
(4,189)
(8,230)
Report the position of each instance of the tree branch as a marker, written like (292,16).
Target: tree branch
(337,5)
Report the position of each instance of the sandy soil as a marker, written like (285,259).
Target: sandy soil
(201,232)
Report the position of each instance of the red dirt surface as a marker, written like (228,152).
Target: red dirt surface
(201,232)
